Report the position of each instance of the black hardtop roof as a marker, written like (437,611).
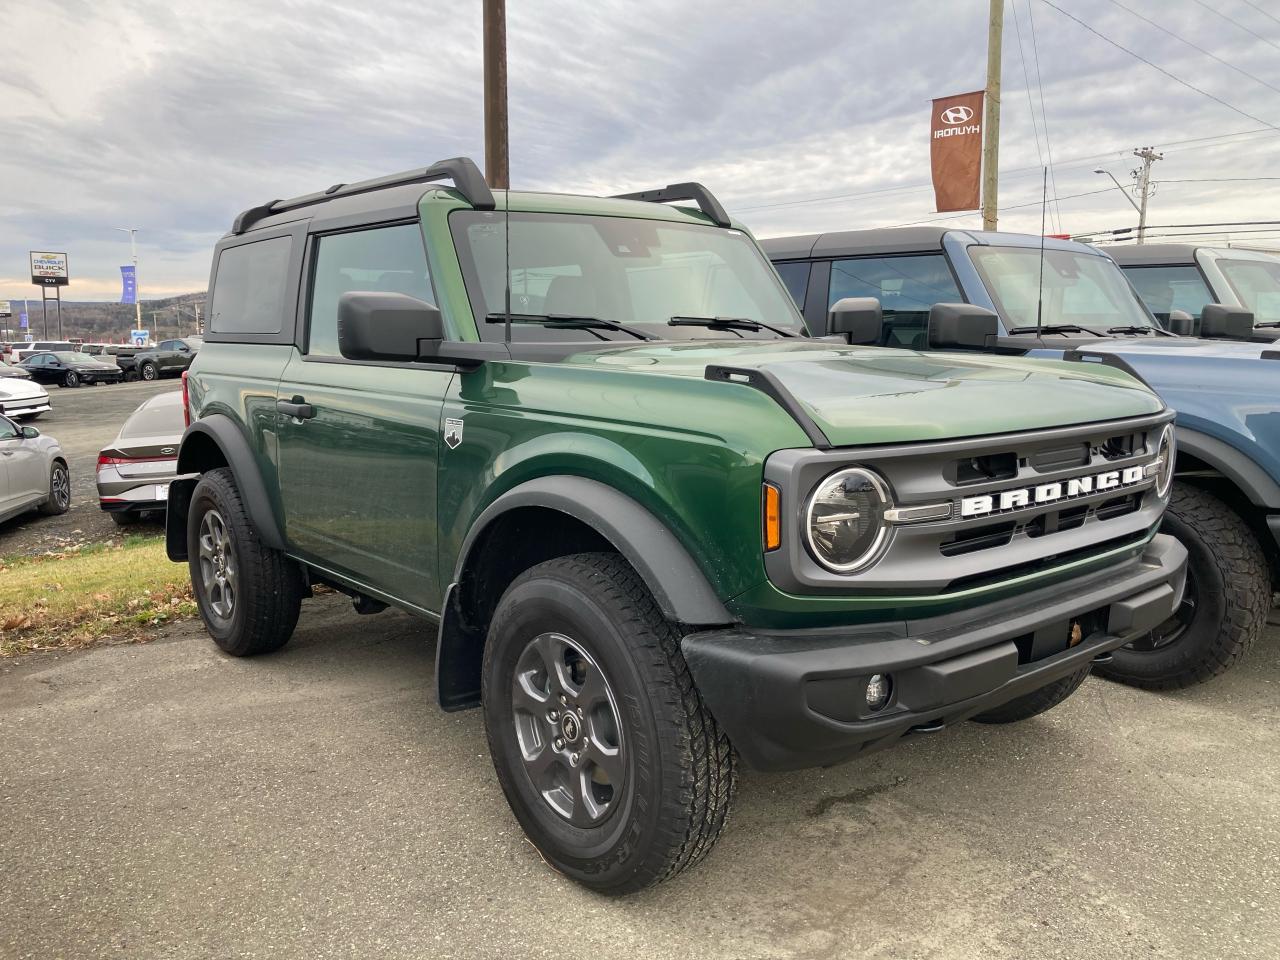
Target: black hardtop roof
(1151,253)
(857,243)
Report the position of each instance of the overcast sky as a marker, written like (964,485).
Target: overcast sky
(171,116)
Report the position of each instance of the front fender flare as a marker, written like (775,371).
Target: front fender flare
(1259,487)
(677,582)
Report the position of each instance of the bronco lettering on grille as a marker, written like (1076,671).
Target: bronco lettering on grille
(1022,497)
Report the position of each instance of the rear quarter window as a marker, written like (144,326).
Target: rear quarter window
(249,288)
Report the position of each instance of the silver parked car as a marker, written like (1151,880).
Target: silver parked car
(135,469)
(21,396)
(33,472)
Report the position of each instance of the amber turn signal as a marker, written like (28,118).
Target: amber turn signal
(772,517)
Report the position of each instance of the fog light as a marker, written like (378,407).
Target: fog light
(878,689)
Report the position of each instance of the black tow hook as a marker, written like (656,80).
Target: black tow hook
(1102,658)
(933,726)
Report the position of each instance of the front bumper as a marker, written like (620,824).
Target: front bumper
(24,407)
(789,700)
(102,377)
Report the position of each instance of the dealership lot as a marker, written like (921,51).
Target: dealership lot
(83,420)
(164,800)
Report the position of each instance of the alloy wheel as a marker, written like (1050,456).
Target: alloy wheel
(568,730)
(218,573)
(60,486)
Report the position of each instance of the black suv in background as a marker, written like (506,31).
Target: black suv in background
(167,359)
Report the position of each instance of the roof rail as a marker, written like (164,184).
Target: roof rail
(465,175)
(696,192)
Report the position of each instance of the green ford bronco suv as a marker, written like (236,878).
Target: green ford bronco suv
(657,527)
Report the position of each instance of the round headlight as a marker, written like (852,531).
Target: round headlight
(1166,453)
(845,523)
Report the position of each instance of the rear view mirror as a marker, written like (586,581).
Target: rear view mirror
(1229,323)
(385,326)
(859,319)
(30,433)
(1182,323)
(962,326)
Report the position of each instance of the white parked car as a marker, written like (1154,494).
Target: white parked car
(33,472)
(20,351)
(22,397)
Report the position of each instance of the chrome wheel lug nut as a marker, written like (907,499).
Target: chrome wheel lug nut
(563,700)
(575,757)
(558,743)
(579,711)
(553,715)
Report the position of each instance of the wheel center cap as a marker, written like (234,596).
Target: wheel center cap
(570,727)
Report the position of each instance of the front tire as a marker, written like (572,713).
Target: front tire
(607,755)
(59,500)
(71,379)
(1035,702)
(149,372)
(248,595)
(1224,606)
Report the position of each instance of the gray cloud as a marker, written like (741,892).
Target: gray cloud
(173,116)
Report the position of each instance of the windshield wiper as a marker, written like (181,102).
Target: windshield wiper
(727,323)
(1055,328)
(569,321)
(1156,331)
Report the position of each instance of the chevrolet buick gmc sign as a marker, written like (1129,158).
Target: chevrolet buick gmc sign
(1021,497)
(49,269)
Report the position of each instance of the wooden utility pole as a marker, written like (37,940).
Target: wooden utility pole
(991,118)
(495,94)
(1148,157)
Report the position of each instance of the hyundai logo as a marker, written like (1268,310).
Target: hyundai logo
(954,115)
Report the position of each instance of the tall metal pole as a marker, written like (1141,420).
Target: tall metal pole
(133,251)
(991,118)
(1148,157)
(495,94)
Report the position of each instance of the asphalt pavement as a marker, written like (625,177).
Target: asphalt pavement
(84,420)
(168,801)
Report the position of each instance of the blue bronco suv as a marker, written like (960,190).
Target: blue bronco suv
(928,288)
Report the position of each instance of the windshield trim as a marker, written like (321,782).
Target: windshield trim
(460,218)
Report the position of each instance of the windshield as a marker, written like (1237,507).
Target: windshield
(639,273)
(1080,289)
(1257,284)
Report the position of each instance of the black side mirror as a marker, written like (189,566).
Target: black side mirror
(385,326)
(30,433)
(859,319)
(1228,323)
(962,326)
(1182,323)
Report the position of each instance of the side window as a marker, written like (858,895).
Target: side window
(1164,289)
(795,276)
(385,259)
(249,288)
(906,288)
(8,429)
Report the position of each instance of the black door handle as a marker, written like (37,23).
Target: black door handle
(297,408)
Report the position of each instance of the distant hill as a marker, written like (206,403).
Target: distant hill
(109,322)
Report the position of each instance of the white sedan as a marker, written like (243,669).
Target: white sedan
(33,472)
(20,397)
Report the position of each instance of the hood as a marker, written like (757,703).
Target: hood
(16,388)
(863,395)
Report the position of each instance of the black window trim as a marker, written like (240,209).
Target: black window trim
(297,231)
(303,339)
(817,303)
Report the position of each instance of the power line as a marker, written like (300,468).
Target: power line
(1016,206)
(1173,77)
(1026,79)
(1218,180)
(1238,24)
(1194,46)
(1044,117)
(1263,12)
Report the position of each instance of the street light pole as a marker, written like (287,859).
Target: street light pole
(133,250)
